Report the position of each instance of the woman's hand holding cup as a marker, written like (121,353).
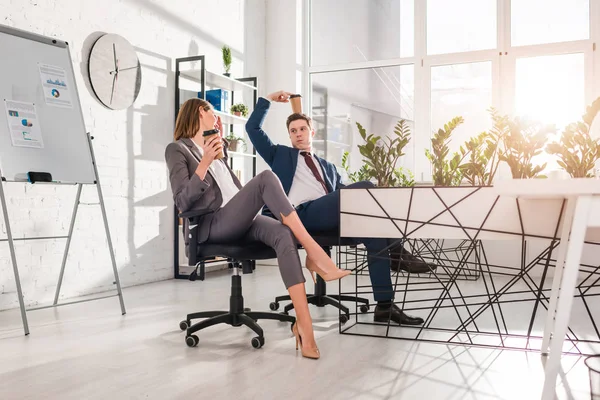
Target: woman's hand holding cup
(213,148)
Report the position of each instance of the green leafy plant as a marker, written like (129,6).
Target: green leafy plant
(484,151)
(241,108)
(226,59)
(381,156)
(577,150)
(234,142)
(363,174)
(446,172)
(474,171)
(524,141)
(403,178)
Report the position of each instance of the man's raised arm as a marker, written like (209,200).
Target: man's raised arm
(259,138)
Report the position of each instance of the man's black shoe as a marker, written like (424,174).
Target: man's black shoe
(411,264)
(384,314)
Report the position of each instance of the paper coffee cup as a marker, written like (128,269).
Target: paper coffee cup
(207,135)
(296,101)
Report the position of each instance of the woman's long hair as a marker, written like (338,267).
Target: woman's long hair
(188,119)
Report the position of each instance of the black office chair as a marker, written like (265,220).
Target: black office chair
(236,253)
(320,298)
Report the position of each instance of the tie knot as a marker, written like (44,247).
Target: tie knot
(305,153)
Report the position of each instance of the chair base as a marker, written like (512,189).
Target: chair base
(321,299)
(236,316)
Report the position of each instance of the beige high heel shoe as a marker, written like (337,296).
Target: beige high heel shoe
(327,276)
(308,353)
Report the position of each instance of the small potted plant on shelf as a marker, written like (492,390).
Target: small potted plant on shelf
(226,60)
(577,151)
(234,142)
(239,110)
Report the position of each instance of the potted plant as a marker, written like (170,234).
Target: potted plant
(234,142)
(474,170)
(381,156)
(239,110)
(484,151)
(401,177)
(363,174)
(226,60)
(524,141)
(446,172)
(577,151)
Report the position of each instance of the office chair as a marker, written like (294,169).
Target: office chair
(243,253)
(320,298)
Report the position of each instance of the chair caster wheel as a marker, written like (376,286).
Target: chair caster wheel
(192,341)
(274,306)
(343,319)
(364,308)
(258,342)
(183,325)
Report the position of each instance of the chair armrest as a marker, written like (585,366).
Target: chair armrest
(194,214)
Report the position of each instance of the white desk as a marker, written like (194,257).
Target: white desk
(582,212)
(529,209)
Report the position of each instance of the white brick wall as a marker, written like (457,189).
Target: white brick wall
(129,144)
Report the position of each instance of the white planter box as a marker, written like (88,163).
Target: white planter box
(449,213)
(506,305)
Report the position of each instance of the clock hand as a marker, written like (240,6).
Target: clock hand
(112,92)
(115,58)
(125,69)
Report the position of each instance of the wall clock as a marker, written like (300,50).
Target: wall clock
(115,72)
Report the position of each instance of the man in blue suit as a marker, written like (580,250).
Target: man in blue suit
(312,185)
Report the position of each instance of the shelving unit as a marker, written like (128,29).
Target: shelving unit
(333,133)
(192,80)
(227,83)
(231,119)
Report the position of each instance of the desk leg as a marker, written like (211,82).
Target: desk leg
(565,300)
(558,273)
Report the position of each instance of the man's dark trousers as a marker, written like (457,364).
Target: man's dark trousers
(323,214)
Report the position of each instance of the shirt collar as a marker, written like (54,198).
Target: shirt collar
(198,147)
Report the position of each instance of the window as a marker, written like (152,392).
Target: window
(550,89)
(346,31)
(549,21)
(377,99)
(460,25)
(461,90)
(527,58)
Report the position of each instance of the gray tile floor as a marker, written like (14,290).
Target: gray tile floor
(90,351)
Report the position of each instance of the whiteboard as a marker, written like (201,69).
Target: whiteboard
(59,128)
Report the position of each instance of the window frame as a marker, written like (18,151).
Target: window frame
(503,59)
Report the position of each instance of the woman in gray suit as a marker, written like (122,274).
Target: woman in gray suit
(201,181)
